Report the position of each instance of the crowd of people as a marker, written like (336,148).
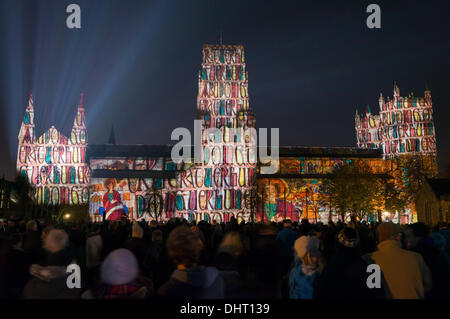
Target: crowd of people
(181,259)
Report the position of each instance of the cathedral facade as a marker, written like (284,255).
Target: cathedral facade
(55,165)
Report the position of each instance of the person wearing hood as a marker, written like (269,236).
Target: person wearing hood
(190,280)
(345,276)
(229,262)
(307,265)
(50,281)
(120,278)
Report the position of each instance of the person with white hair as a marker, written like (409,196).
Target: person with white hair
(50,281)
(307,265)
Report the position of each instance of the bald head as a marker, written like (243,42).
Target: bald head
(387,231)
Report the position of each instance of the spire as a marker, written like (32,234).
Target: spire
(80,120)
(396,90)
(112,137)
(30,101)
(81,104)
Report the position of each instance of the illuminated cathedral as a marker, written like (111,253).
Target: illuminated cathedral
(144,181)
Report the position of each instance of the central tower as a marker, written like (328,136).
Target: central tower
(228,145)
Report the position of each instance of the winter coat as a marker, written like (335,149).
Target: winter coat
(288,237)
(345,277)
(301,281)
(49,283)
(439,268)
(406,274)
(17,272)
(195,283)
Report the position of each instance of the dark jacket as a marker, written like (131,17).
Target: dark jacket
(31,244)
(195,283)
(17,272)
(288,237)
(138,247)
(49,283)
(440,272)
(345,277)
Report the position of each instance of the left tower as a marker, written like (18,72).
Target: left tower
(55,165)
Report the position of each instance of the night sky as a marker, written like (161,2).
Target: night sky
(311,64)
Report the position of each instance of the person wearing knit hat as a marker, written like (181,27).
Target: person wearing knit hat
(120,278)
(119,267)
(307,266)
(50,281)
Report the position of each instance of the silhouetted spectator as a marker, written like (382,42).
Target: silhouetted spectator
(405,273)
(418,239)
(17,267)
(190,280)
(120,278)
(50,281)
(344,277)
(31,242)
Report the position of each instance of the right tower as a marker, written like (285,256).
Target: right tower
(404,127)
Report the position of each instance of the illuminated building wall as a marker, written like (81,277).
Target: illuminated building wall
(294,191)
(228,167)
(142,175)
(404,127)
(54,164)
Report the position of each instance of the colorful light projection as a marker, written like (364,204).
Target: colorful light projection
(54,164)
(300,197)
(140,198)
(292,198)
(405,126)
(227,173)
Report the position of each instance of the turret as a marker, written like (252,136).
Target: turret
(381,102)
(26,133)
(396,92)
(78,134)
(427,95)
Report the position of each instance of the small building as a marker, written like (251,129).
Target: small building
(433,201)
(6,191)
